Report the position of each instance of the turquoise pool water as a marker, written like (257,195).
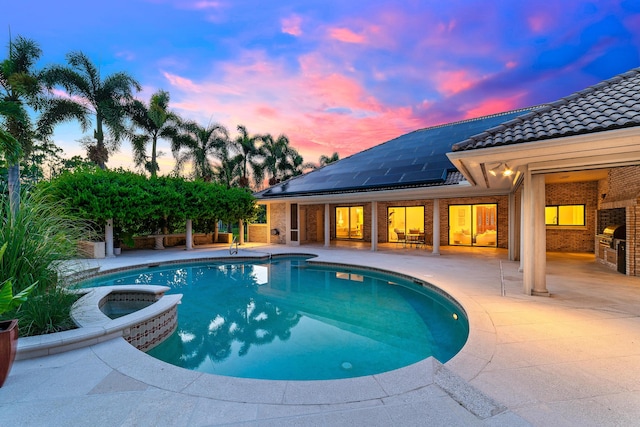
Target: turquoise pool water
(290,320)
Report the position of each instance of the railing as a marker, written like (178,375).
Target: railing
(232,250)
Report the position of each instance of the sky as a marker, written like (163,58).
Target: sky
(334,76)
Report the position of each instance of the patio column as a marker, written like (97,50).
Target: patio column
(512,227)
(436,226)
(189,236)
(374,226)
(108,238)
(327,225)
(539,237)
(522,236)
(241,232)
(534,236)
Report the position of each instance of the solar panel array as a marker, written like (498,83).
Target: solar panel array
(417,158)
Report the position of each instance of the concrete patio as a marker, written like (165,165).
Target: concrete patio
(572,359)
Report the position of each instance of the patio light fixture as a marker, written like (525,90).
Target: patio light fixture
(506,170)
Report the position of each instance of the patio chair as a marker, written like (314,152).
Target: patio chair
(401,236)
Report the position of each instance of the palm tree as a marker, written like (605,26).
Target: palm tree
(325,160)
(106,98)
(157,122)
(20,90)
(249,151)
(294,164)
(199,143)
(227,172)
(275,157)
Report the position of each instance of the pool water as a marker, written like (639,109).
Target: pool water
(290,320)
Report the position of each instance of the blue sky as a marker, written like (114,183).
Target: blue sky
(336,75)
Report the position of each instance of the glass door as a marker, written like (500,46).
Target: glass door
(402,221)
(349,222)
(473,225)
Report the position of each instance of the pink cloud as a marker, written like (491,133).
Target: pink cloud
(452,82)
(493,106)
(320,110)
(291,25)
(346,35)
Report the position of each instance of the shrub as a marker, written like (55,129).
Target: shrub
(39,238)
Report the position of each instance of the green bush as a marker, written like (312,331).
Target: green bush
(39,238)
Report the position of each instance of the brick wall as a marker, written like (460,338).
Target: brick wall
(573,239)
(258,233)
(278,220)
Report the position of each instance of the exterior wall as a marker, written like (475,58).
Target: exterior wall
(633,239)
(278,220)
(258,233)
(573,239)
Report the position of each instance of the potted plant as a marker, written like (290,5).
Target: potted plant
(9,328)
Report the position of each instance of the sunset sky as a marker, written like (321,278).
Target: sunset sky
(335,75)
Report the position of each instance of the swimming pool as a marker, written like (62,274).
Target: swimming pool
(288,319)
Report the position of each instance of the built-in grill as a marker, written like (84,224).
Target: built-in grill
(612,234)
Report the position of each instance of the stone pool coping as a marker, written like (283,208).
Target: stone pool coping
(93,325)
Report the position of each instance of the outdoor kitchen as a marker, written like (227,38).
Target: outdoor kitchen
(611,239)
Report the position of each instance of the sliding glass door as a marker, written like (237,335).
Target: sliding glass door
(349,222)
(404,220)
(473,225)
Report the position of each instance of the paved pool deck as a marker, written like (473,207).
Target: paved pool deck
(571,359)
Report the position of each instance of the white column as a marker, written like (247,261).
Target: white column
(528,247)
(374,226)
(268,205)
(512,227)
(436,226)
(189,238)
(539,237)
(521,268)
(327,225)
(287,223)
(108,238)
(241,232)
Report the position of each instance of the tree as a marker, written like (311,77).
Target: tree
(21,87)
(249,152)
(325,160)
(157,122)
(199,143)
(294,164)
(275,157)
(107,99)
(20,90)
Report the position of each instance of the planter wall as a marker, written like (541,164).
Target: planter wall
(91,249)
(8,345)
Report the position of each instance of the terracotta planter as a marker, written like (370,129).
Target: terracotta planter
(8,345)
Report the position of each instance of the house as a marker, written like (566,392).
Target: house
(555,177)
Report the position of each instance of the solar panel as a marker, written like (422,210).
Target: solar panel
(416,158)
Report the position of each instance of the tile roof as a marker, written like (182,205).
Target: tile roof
(416,159)
(611,104)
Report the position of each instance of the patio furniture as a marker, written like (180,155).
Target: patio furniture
(401,236)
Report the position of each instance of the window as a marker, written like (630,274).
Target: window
(473,225)
(349,222)
(564,215)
